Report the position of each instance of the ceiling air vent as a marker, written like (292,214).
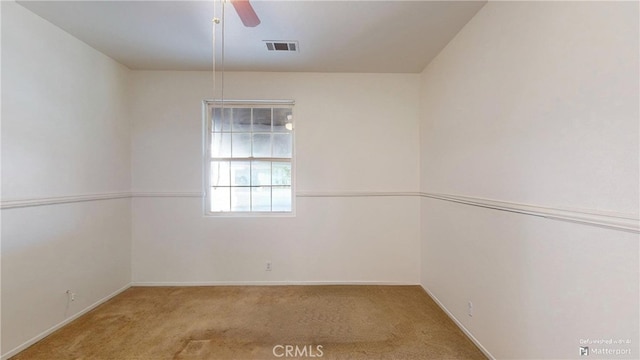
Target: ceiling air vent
(273,45)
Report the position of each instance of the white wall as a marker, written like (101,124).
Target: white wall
(65,133)
(534,103)
(354,133)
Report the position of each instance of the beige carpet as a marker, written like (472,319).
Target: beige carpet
(234,322)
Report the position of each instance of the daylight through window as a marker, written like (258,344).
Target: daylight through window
(249,167)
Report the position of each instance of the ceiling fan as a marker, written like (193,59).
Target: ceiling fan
(246,13)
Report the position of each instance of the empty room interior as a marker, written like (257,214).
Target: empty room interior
(320,179)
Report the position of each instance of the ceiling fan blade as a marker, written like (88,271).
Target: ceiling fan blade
(245,11)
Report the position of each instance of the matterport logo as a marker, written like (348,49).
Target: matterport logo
(601,347)
(297,351)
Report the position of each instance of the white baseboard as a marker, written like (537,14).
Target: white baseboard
(267,283)
(49,331)
(459,324)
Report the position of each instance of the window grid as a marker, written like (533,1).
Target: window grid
(232,124)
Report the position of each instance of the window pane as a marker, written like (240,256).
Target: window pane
(260,173)
(262,145)
(281,198)
(280,119)
(220,173)
(220,199)
(241,120)
(261,198)
(240,173)
(261,119)
(221,123)
(221,145)
(240,136)
(281,173)
(282,145)
(240,199)
(240,145)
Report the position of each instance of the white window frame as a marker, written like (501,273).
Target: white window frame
(207,105)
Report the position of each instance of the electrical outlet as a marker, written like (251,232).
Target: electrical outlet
(268,266)
(470,309)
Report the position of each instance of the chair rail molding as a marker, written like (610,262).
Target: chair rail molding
(178,194)
(611,220)
(42,201)
(312,194)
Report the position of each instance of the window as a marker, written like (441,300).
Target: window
(248,157)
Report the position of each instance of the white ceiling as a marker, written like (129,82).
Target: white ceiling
(334,36)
